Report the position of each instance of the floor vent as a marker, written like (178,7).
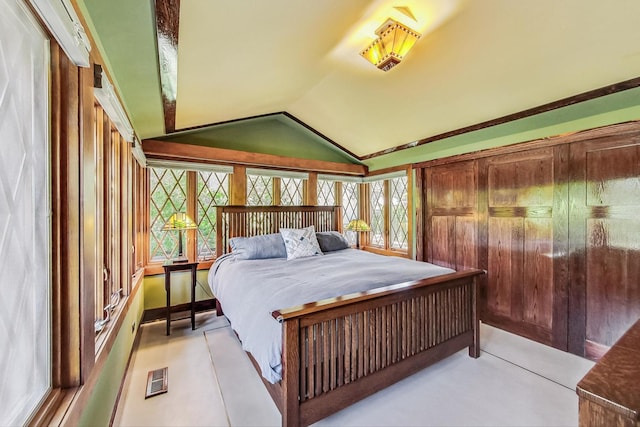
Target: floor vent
(157,382)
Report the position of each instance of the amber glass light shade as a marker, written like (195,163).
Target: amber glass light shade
(393,42)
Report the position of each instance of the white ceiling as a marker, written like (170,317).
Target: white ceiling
(477,60)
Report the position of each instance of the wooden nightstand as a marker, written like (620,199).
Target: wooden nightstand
(181,266)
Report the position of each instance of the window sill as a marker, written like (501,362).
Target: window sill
(107,335)
(382,251)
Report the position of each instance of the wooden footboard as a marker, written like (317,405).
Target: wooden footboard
(340,350)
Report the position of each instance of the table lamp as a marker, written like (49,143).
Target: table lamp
(358,226)
(180,221)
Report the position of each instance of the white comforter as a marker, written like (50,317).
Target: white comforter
(249,290)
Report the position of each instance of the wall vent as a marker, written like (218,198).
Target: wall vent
(157,382)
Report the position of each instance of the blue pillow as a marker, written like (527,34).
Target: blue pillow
(331,241)
(258,247)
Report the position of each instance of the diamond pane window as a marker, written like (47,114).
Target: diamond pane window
(349,207)
(212,191)
(398,213)
(25,216)
(291,191)
(259,190)
(168,195)
(376,213)
(326,193)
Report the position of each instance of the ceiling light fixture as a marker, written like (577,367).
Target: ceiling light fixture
(393,42)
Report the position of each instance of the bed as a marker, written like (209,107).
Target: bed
(348,342)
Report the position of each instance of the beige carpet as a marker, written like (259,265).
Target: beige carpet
(458,391)
(245,398)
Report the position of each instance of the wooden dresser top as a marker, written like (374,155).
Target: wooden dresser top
(614,382)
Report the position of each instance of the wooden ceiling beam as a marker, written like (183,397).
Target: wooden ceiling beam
(167,26)
(164,150)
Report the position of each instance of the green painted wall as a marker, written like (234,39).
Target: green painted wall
(100,406)
(277,135)
(155,296)
(606,110)
(130,32)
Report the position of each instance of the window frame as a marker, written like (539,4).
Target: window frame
(385,176)
(191,171)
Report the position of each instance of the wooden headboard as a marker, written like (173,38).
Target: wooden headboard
(247,221)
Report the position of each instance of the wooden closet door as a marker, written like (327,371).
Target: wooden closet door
(451,226)
(524,200)
(605,241)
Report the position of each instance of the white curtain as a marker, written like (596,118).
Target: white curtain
(25,284)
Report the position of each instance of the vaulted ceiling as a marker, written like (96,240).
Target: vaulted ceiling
(476,61)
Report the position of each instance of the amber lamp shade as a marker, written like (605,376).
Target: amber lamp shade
(358,226)
(180,221)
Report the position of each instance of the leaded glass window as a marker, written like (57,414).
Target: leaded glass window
(350,208)
(376,213)
(168,195)
(291,191)
(259,190)
(398,213)
(326,193)
(212,191)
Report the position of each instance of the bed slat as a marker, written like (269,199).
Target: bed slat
(233,221)
(372,331)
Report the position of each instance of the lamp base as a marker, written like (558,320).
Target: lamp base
(180,259)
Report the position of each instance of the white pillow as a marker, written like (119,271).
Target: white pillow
(300,242)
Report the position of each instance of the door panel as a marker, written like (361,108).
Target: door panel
(538,272)
(442,252)
(451,235)
(505,267)
(526,246)
(466,238)
(604,241)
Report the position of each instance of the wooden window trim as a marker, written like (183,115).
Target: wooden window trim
(71,402)
(166,150)
(365,214)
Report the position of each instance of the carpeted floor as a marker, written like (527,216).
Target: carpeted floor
(246,400)
(458,391)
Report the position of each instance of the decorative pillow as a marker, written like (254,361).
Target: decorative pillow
(258,247)
(300,242)
(331,241)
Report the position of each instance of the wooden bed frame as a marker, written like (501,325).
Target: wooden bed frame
(338,351)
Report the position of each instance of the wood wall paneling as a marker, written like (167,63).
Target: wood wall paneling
(605,241)
(89,234)
(521,193)
(560,213)
(556,229)
(238,186)
(451,215)
(66,219)
(310,190)
(419,203)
